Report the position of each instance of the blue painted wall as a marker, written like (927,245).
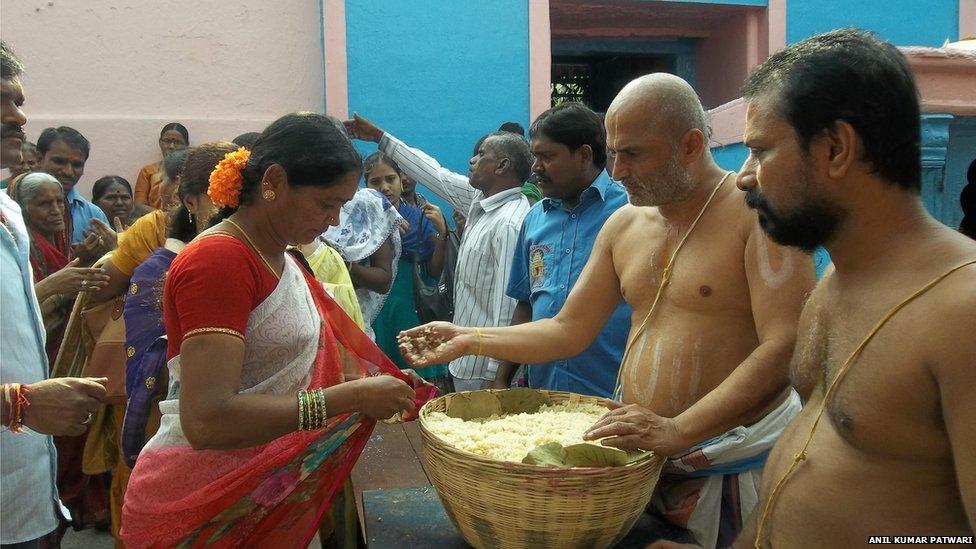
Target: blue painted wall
(730,157)
(442,76)
(902,22)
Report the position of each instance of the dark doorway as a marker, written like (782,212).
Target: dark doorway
(595,79)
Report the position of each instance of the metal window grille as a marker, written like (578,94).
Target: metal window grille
(571,82)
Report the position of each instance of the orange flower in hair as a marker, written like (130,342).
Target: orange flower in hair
(227,179)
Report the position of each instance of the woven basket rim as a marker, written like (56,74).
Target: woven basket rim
(647,460)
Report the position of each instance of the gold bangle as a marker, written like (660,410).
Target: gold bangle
(320,394)
(310,404)
(481,342)
(317,419)
(301,410)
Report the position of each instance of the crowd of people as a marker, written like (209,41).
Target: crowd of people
(200,358)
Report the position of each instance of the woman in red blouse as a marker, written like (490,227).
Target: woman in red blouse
(273,388)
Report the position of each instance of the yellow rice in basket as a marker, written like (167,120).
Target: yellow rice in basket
(509,437)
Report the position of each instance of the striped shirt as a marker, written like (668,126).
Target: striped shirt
(486,252)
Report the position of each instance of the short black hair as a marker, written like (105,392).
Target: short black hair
(512,127)
(246,140)
(179,128)
(848,74)
(70,136)
(102,185)
(573,124)
(10,65)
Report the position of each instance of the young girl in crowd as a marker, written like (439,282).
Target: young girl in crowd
(368,239)
(424,236)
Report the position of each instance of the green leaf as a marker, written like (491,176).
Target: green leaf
(475,405)
(636,456)
(521,400)
(584,454)
(547,455)
(594,455)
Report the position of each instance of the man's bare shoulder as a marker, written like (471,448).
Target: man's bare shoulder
(629,213)
(627,218)
(951,313)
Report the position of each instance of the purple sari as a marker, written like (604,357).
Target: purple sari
(145,344)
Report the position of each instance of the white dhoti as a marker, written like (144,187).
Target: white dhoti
(712,488)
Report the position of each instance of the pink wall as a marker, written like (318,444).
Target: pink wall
(736,46)
(725,57)
(540,58)
(946,80)
(337,77)
(967,19)
(117,70)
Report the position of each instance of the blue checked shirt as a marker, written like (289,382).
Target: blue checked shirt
(28,461)
(554,245)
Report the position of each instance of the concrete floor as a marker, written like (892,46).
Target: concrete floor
(87,539)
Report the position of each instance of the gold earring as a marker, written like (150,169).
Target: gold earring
(269,195)
(189,216)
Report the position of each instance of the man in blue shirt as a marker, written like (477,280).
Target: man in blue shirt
(63,152)
(64,406)
(569,145)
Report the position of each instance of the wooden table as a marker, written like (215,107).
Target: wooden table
(393,458)
(398,506)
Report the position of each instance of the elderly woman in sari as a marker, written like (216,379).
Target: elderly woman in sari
(273,389)
(58,276)
(58,279)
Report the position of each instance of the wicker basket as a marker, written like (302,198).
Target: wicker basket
(506,504)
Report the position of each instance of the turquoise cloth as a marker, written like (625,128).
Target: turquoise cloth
(398,314)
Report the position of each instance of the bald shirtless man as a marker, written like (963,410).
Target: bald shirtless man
(705,377)
(833,132)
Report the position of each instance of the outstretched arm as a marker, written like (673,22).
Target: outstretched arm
(451,186)
(589,306)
